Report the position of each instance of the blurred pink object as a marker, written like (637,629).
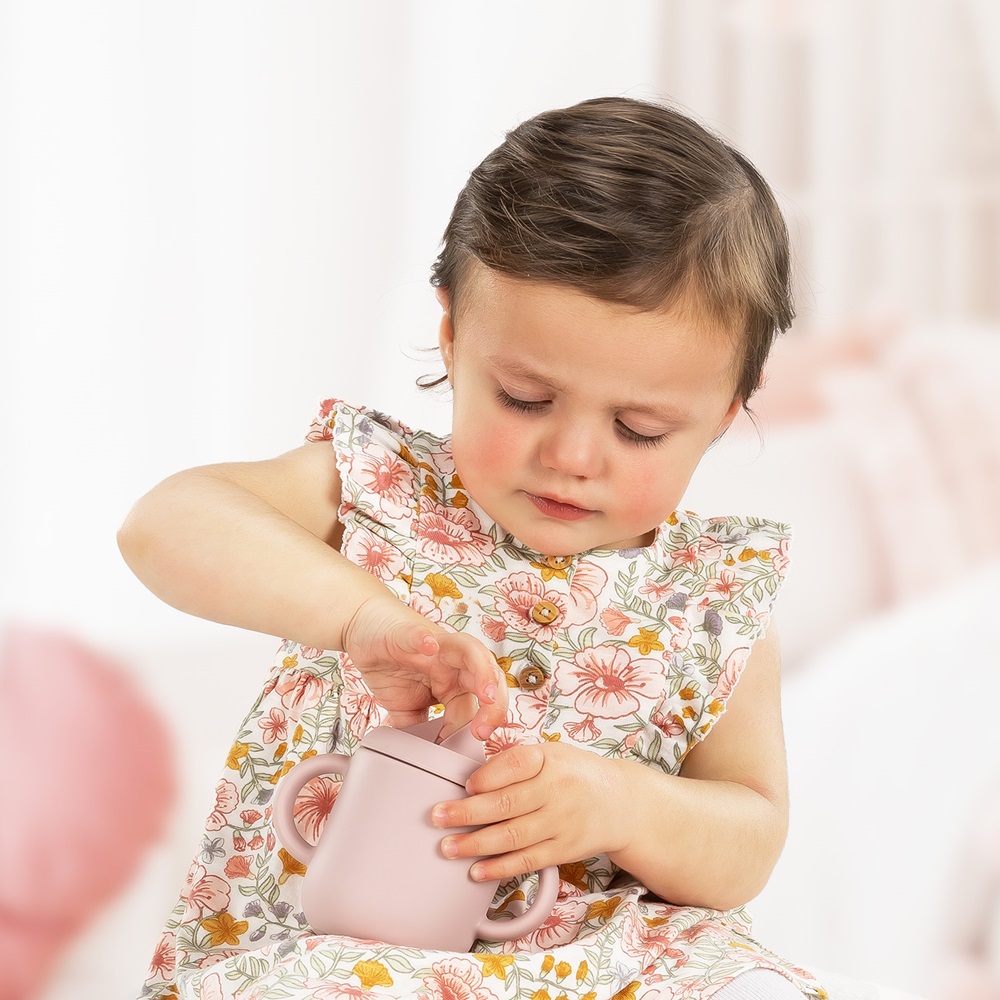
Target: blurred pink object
(88,784)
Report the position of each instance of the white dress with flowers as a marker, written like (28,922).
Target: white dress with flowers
(629,654)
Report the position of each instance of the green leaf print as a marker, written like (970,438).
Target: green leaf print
(457,622)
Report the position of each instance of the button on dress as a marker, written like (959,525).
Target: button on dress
(630,654)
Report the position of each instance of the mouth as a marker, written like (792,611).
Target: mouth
(561,509)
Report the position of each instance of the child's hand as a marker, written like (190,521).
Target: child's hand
(549,804)
(410,664)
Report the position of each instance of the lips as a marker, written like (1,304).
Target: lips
(562,509)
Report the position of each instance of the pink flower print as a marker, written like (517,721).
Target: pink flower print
(681,632)
(588,581)
(162,965)
(250,816)
(496,630)
(725,585)
(363,711)
(320,429)
(239,842)
(607,681)
(583,730)
(388,477)
(615,620)
(423,605)
(669,723)
(310,652)
(205,892)
(658,591)
(313,805)
(237,866)
(779,557)
(256,843)
(374,554)
(687,556)
(227,798)
(300,690)
(520,593)
(457,979)
(450,535)
(211,988)
(511,734)
(531,707)
(709,547)
(731,670)
(560,927)
(274,726)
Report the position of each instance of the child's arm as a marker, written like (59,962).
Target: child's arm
(255,545)
(712,836)
(709,837)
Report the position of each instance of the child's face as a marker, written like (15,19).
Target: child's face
(578,422)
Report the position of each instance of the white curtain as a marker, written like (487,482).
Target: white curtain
(216,213)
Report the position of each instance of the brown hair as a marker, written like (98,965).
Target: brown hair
(631,202)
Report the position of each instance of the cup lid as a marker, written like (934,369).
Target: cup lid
(422,753)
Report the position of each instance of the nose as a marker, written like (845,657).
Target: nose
(571,448)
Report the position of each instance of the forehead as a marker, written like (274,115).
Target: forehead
(526,326)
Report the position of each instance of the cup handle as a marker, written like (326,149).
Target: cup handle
(541,906)
(284,800)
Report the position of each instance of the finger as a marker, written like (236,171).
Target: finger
(497,839)
(415,639)
(459,711)
(504,866)
(509,767)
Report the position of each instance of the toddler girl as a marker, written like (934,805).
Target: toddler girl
(611,280)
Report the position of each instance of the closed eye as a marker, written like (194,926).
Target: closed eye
(624,431)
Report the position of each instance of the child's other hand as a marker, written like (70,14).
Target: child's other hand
(542,805)
(410,664)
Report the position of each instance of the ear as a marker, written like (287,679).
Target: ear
(446,331)
(734,408)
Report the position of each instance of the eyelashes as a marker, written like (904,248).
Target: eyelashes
(537,405)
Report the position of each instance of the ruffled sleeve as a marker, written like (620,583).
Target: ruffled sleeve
(378,462)
(725,578)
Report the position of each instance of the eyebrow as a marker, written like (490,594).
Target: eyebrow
(518,369)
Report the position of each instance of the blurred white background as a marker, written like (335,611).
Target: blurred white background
(215,214)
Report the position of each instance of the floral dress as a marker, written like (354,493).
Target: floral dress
(627,653)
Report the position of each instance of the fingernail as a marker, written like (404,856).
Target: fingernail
(490,692)
(438,816)
(482,732)
(477,873)
(449,848)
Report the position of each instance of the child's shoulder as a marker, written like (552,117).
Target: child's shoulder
(363,430)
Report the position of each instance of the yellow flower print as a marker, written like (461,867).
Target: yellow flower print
(688,712)
(429,488)
(729,561)
(441,586)
(581,972)
(372,974)
(290,662)
(225,929)
(574,872)
(646,641)
(604,908)
(541,995)
(687,694)
(553,567)
(672,520)
(515,895)
(547,964)
(552,737)
(563,969)
(279,751)
(406,455)
(715,707)
(495,965)
(289,866)
(628,993)
(459,500)
(505,663)
(456,483)
(236,753)
(589,996)
(747,554)
(297,737)
(765,556)
(279,774)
